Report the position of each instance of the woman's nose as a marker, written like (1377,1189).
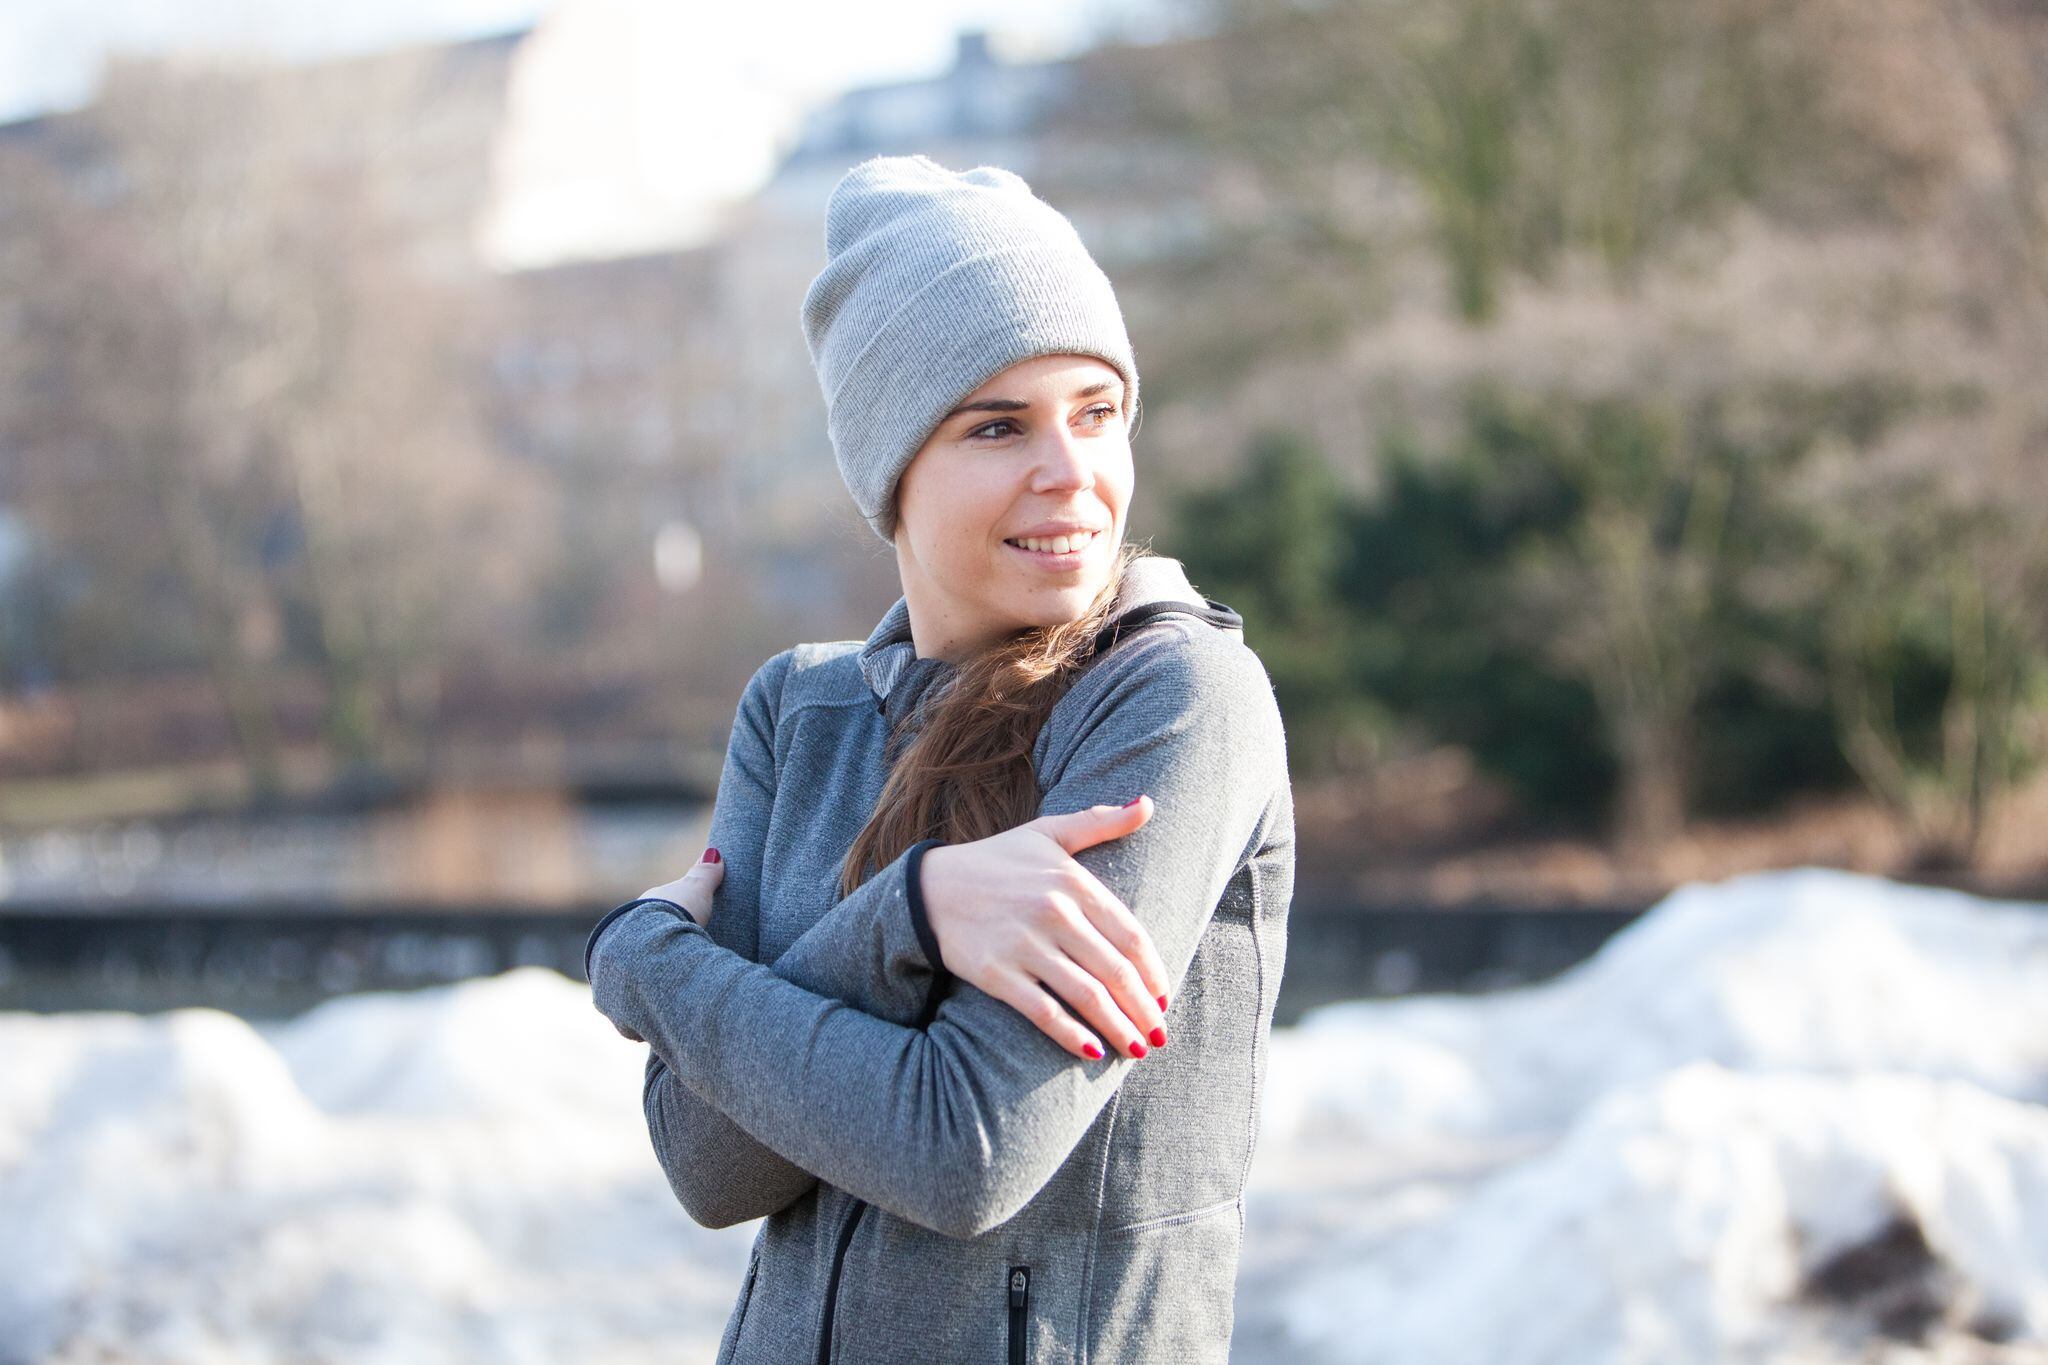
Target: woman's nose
(1063,462)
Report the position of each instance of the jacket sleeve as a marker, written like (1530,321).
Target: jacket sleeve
(871,950)
(719,1173)
(957,1125)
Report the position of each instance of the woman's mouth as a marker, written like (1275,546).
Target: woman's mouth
(1056,552)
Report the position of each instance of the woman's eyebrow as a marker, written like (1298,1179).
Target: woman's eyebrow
(1018,404)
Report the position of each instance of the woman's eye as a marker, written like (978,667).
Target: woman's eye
(1107,412)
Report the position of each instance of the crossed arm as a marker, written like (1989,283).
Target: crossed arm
(811,1069)
(866,952)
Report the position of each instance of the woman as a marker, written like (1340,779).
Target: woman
(969,999)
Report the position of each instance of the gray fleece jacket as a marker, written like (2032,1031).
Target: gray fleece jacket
(938,1179)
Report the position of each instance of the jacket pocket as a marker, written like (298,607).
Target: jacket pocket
(1164,1288)
(1020,1313)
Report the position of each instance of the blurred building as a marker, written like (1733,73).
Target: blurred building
(422,121)
(670,380)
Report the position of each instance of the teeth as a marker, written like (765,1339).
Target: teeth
(1058,545)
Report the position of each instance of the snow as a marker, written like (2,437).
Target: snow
(454,1174)
(1793,1117)
(1804,970)
(1657,1151)
(1677,1220)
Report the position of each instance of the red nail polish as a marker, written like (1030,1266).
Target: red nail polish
(1132,802)
(1092,1050)
(1137,1049)
(1158,1036)
(711,856)
(1162,1002)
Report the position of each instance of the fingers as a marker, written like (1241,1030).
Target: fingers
(1081,829)
(1106,939)
(1118,950)
(1028,998)
(1113,966)
(1085,992)
(693,890)
(702,878)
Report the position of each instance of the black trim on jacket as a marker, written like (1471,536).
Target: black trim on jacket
(926,939)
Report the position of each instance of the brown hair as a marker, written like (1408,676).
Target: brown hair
(967,773)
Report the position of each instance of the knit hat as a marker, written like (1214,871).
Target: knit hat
(936,281)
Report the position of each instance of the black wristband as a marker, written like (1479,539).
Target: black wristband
(610,915)
(914,888)
(919,921)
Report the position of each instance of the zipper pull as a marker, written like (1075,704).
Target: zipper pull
(1019,1278)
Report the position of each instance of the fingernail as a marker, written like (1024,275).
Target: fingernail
(1092,1050)
(1132,802)
(711,856)
(1137,1049)
(1162,1002)
(1159,1037)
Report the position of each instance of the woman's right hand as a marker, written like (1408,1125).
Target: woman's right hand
(1015,915)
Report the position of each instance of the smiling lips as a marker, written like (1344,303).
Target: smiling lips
(1068,545)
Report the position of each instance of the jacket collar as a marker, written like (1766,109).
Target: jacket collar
(1153,586)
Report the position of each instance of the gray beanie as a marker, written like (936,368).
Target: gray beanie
(935,282)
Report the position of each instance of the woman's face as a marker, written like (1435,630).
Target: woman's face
(1042,447)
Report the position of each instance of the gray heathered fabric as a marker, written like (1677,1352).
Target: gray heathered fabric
(802,1093)
(936,281)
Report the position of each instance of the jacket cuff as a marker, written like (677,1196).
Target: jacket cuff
(927,941)
(590,944)
(913,890)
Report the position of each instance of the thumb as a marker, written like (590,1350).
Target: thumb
(694,888)
(1081,829)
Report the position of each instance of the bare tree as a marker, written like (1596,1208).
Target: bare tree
(1931,598)
(1521,133)
(278,377)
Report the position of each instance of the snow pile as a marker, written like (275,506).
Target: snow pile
(1797,1116)
(1808,970)
(454,1174)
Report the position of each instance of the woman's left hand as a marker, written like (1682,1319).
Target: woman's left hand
(692,891)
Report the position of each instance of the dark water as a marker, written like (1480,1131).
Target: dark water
(275,963)
(267,917)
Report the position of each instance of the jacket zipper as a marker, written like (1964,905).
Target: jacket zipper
(1020,1296)
(832,1281)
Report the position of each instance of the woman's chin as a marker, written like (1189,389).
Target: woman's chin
(1050,604)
